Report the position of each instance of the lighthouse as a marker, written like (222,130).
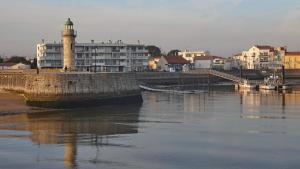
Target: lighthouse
(69,36)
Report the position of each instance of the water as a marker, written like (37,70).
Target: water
(217,130)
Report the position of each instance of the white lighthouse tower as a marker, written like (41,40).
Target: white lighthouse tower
(69,36)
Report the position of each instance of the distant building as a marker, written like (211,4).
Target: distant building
(209,62)
(230,64)
(190,55)
(173,64)
(105,57)
(291,60)
(261,57)
(13,66)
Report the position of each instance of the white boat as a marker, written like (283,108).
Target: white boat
(286,87)
(267,87)
(170,91)
(246,85)
(271,83)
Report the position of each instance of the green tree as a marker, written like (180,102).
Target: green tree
(174,52)
(1,59)
(154,51)
(18,59)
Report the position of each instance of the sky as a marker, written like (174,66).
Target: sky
(223,27)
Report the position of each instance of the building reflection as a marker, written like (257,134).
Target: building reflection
(261,104)
(73,127)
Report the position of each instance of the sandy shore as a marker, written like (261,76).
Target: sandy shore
(13,103)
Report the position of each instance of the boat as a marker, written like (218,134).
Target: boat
(246,85)
(286,87)
(267,87)
(143,87)
(271,83)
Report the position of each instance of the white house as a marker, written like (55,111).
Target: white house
(173,64)
(261,57)
(190,55)
(230,64)
(209,62)
(7,66)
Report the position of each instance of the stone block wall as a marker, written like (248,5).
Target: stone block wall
(71,87)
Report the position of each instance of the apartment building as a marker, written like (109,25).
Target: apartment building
(100,57)
(261,57)
(292,60)
(190,55)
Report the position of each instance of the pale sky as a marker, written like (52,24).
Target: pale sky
(224,27)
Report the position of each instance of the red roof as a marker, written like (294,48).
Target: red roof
(176,60)
(292,53)
(207,57)
(283,48)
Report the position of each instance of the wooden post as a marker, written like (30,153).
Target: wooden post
(283,74)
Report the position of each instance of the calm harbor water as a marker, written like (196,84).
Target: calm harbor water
(216,130)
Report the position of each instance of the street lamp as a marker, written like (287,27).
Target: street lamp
(95,59)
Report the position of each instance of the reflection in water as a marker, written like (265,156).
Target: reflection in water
(268,104)
(250,104)
(72,127)
(225,130)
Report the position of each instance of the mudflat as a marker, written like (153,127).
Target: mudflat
(13,103)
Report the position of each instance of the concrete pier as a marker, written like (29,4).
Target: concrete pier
(68,90)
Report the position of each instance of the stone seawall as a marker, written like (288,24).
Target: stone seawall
(73,89)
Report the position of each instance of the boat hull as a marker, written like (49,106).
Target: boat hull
(267,87)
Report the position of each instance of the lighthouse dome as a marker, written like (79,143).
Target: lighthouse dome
(69,22)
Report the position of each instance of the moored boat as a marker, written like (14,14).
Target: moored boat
(267,87)
(246,85)
(147,88)
(271,83)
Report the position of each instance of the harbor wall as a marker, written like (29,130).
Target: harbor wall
(73,89)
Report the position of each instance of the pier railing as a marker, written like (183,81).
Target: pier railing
(223,75)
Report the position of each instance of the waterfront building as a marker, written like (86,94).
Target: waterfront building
(261,57)
(190,55)
(230,64)
(103,57)
(291,60)
(173,64)
(209,62)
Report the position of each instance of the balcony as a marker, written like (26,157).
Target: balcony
(123,63)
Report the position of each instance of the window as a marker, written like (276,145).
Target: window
(79,55)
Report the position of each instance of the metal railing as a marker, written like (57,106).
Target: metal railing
(224,76)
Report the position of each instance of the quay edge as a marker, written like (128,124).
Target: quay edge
(73,89)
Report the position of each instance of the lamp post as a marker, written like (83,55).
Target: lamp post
(95,59)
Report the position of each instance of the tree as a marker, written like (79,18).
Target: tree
(1,59)
(154,51)
(18,59)
(174,52)
(33,64)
